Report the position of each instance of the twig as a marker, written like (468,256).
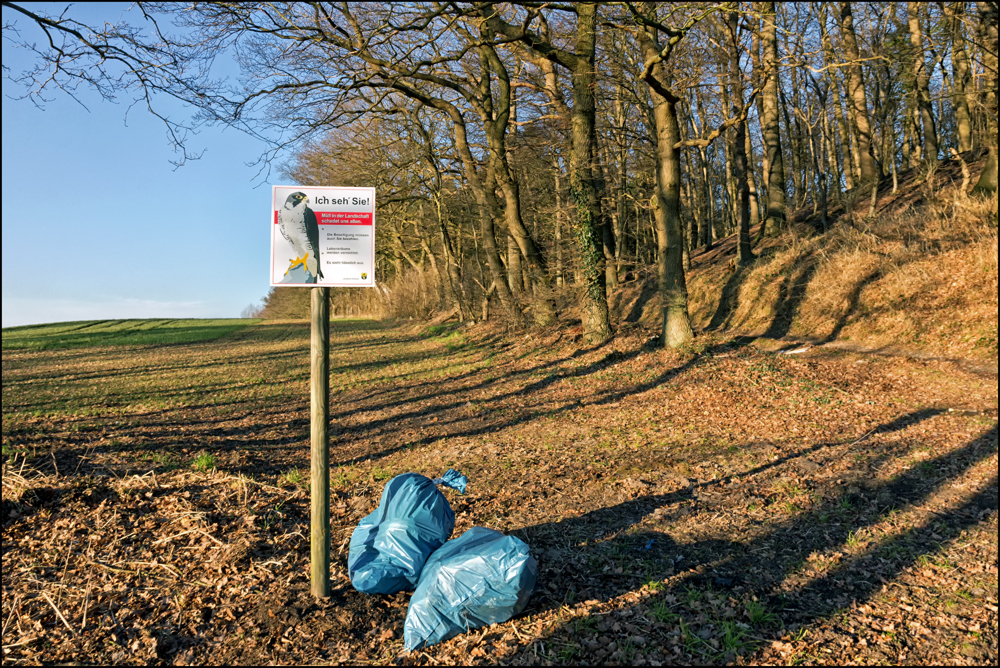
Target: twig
(62,580)
(208,535)
(863,437)
(10,617)
(59,614)
(176,535)
(176,574)
(23,642)
(112,568)
(86,601)
(83,457)
(110,471)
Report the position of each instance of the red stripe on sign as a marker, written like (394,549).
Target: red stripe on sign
(343,218)
(275,217)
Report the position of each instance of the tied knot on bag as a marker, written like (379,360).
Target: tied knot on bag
(453,479)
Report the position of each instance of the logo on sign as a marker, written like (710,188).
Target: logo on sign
(364,275)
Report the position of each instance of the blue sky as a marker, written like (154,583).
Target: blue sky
(98,224)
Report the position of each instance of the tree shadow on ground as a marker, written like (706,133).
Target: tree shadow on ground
(730,299)
(852,303)
(791,293)
(649,289)
(609,552)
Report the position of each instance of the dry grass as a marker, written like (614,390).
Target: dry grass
(417,294)
(914,277)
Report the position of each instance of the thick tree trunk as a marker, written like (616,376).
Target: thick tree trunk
(583,189)
(856,95)
(775,220)
(666,208)
(988,36)
(921,79)
(740,144)
(669,233)
(955,11)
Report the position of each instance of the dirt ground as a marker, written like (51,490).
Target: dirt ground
(743,501)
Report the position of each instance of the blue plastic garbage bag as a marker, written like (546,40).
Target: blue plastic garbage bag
(389,547)
(482,577)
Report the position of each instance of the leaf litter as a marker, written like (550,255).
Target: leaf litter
(724,504)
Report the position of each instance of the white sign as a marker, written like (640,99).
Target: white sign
(323,236)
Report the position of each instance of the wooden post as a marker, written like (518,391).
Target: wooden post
(319,394)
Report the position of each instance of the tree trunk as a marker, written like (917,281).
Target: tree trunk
(442,285)
(695,197)
(831,153)
(796,136)
(608,240)
(921,79)
(708,235)
(775,221)
(558,223)
(666,210)
(761,191)
(496,120)
(751,178)
(731,188)
(452,265)
(583,154)
(955,11)
(514,272)
(794,150)
(485,201)
(988,37)
(740,144)
(856,96)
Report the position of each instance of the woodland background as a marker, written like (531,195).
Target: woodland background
(531,157)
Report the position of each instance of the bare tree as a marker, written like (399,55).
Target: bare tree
(921,79)
(584,191)
(856,95)
(775,220)
(987,183)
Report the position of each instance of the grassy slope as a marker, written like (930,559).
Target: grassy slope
(920,275)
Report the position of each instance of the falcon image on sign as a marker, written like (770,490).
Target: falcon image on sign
(323,236)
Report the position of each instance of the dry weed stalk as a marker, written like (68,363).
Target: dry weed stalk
(59,614)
